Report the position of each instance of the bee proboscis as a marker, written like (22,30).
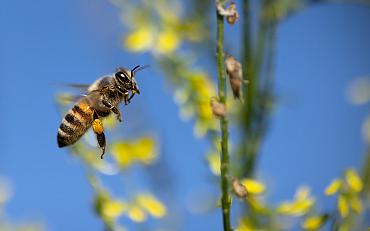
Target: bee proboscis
(102,98)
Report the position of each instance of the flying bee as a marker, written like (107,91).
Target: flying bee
(102,98)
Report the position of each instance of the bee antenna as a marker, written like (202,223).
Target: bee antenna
(138,68)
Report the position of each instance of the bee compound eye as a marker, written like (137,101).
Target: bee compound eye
(123,77)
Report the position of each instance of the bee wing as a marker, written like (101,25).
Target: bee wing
(81,87)
(67,98)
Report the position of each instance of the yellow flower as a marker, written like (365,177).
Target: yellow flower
(140,39)
(141,150)
(192,31)
(113,208)
(169,12)
(314,222)
(214,163)
(245,224)
(343,206)
(253,186)
(344,227)
(257,205)
(353,180)
(205,111)
(333,187)
(145,150)
(194,101)
(136,214)
(302,193)
(151,205)
(167,42)
(285,208)
(296,208)
(302,203)
(355,204)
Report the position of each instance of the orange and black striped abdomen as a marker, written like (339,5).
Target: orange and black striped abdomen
(75,124)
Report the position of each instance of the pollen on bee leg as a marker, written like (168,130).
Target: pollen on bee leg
(98,126)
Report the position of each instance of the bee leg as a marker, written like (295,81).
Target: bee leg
(132,96)
(125,98)
(98,129)
(113,109)
(101,141)
(134,90)
(117,112)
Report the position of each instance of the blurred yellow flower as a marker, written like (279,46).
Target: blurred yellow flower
(107,208)
(302,203)
(356,203)
(181,95)
(333,187)
(314,222)
(136,214)
(167,42)
(113,208)
(214,163)
(257,205)
(253,186)
(89,157)
(205,111)
(344,227)
(245,224)
(296,208)
(302,193)
(151,205)
(343,206)
(142,150)
(192,31)
(141,39)
(193,98)
(353,180)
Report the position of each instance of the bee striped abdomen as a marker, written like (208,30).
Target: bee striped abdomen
(75,124)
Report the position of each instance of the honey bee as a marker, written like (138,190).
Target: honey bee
(102,98)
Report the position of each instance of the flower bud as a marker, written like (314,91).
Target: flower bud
(238,188)
(235,73)
(233,15)
(218,109)
(230,12)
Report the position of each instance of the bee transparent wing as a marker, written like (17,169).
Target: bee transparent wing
(80,87)
(67,98)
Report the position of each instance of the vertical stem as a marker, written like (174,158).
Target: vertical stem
(225,200)
(366,174)
(248,155)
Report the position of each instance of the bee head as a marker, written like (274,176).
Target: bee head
(126,78)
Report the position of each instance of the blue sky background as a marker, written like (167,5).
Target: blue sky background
(314,132)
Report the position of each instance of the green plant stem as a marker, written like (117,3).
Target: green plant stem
(247,154)
(366,174)
(225,199)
